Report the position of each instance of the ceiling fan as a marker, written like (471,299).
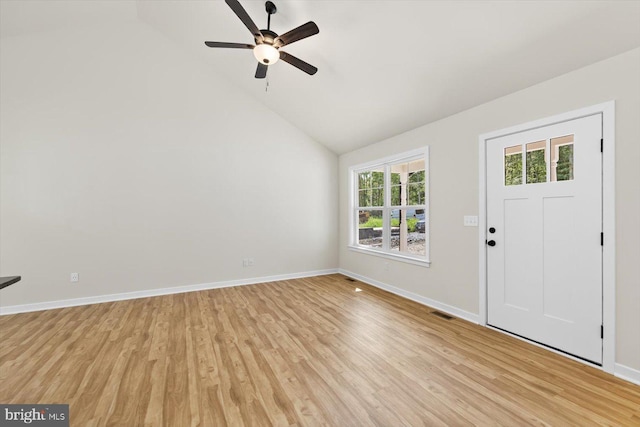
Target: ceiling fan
(267,48)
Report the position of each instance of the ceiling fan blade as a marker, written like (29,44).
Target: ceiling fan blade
(298,63)
(245,18)
(230,45)
(261,71)
(299,33)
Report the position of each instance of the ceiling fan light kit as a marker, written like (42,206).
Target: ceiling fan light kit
(266,54)
(268,43)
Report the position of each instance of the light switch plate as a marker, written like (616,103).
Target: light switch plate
(470,221)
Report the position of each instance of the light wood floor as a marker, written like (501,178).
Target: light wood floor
(299,352)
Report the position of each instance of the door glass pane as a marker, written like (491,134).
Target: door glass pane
(536,162)
(513,165)
(562,158)
(370,228)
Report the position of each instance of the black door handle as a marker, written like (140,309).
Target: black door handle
(491,243)
(492,230)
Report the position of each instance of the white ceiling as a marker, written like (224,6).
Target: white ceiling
(385,67)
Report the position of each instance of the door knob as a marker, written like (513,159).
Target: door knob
(491,243)
(492,230)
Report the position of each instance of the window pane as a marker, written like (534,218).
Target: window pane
(562,158)
(371,188)
(415,194)
(408,183)
(364,198)
(377,196)
(370,228)
(536,162)
(408,231)
(513,165)
(396,189)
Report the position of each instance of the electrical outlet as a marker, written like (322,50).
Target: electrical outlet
(251,262)
(75,277)
(247,262)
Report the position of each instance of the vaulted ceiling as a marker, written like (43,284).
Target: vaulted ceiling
(385,67)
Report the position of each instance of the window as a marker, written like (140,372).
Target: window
(389,214)
(536,167)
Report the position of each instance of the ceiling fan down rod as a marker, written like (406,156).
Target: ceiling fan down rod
(271,9)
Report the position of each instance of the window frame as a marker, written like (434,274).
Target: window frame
(387,208)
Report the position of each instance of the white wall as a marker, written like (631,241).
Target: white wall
(452,278)
(125,160)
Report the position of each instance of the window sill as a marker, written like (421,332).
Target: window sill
(395,257)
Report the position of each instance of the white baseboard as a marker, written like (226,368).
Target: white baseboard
(49,305)
(454,311)
(627,373)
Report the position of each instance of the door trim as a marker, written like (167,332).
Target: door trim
(607,110)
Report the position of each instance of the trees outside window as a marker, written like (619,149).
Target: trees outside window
(535,161)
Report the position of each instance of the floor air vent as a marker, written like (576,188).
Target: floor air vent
(444,316)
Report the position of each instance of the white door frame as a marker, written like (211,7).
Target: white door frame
(607,110)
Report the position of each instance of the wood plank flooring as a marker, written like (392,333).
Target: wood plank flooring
(301,352)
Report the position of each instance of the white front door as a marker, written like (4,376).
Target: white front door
(544,224)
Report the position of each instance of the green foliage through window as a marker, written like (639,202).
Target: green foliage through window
(536,167)
(415,189)
(564,169)
(376,222)
(513,169)
(371,188)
